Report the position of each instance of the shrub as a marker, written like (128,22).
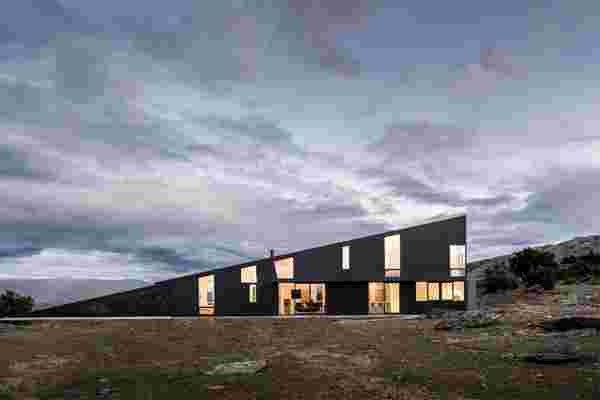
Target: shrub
(535,267)
(13,304)
(497,278)
(569,260)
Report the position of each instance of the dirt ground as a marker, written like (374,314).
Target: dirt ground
(307,358)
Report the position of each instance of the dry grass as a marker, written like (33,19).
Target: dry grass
(309,359)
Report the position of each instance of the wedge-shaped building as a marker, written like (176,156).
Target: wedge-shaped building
(407,270)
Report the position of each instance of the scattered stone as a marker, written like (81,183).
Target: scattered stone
(7,329)
(551,358)
(216,387)
(242,367)
(467,319)
(566,324)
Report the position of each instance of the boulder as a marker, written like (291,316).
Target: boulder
(467,319)
(241,367)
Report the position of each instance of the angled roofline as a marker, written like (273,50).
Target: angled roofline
(291,254)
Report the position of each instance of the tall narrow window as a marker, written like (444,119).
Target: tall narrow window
(346,257)
(284,268)
(392,255)
(252,298)
(248,274)
(459,291)
(433,291)
(206,294)
(457,260)
(446,290)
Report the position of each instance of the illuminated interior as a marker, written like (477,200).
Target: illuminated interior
(376,298)
(446,290)
(457,260)
(392,297)
(433,290)
(459,291)
(392,256)
(430,291)
(284,268)
(248,274)
(421,291)
(206,295)
(311,298)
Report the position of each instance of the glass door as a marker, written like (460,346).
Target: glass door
(392,297)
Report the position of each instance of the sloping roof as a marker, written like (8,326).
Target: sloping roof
(289,254)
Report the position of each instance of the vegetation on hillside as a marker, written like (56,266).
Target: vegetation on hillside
(13,304)
(530,267)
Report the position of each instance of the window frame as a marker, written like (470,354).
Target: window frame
(292,268)
(429,284)
(426,293)
(252,293)
(388,255)
(457,270)
(249,272)
(346,258)
(463,290)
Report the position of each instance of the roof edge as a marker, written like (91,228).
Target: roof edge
(288,254)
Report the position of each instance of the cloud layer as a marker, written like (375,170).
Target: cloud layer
(143,141)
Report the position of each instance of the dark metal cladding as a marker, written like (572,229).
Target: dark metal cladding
(425,255)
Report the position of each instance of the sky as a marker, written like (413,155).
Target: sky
(145,140)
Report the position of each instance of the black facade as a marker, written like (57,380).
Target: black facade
(424,256)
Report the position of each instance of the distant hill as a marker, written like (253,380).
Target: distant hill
(52,292)
(576,247)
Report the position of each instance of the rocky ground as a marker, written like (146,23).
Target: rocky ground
(307,359)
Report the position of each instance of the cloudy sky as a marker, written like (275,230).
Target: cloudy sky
(148,139)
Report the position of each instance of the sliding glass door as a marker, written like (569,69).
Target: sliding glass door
(392,297)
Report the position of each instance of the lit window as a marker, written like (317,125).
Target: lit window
(433,290)
(206,291)
(457,260)
(459,291)
(252,293)
(248,274)
(446,290)
(392,252)
(284,268)
(346,257)
(421,288)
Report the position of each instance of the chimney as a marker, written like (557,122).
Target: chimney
(272,253)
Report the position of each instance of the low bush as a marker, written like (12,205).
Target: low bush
(498,279)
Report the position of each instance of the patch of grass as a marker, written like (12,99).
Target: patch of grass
(588,344)
(7,392)
(493,379)
(156,384)
(569,281)
(408,376)
(104,344)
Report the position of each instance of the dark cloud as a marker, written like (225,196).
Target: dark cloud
(20,101)
(255,128)
(35,23)
(564,198)
(81,72)
(171,260)
(416,140)
(500,61)
(320,22)
(16,252)
(15,163)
